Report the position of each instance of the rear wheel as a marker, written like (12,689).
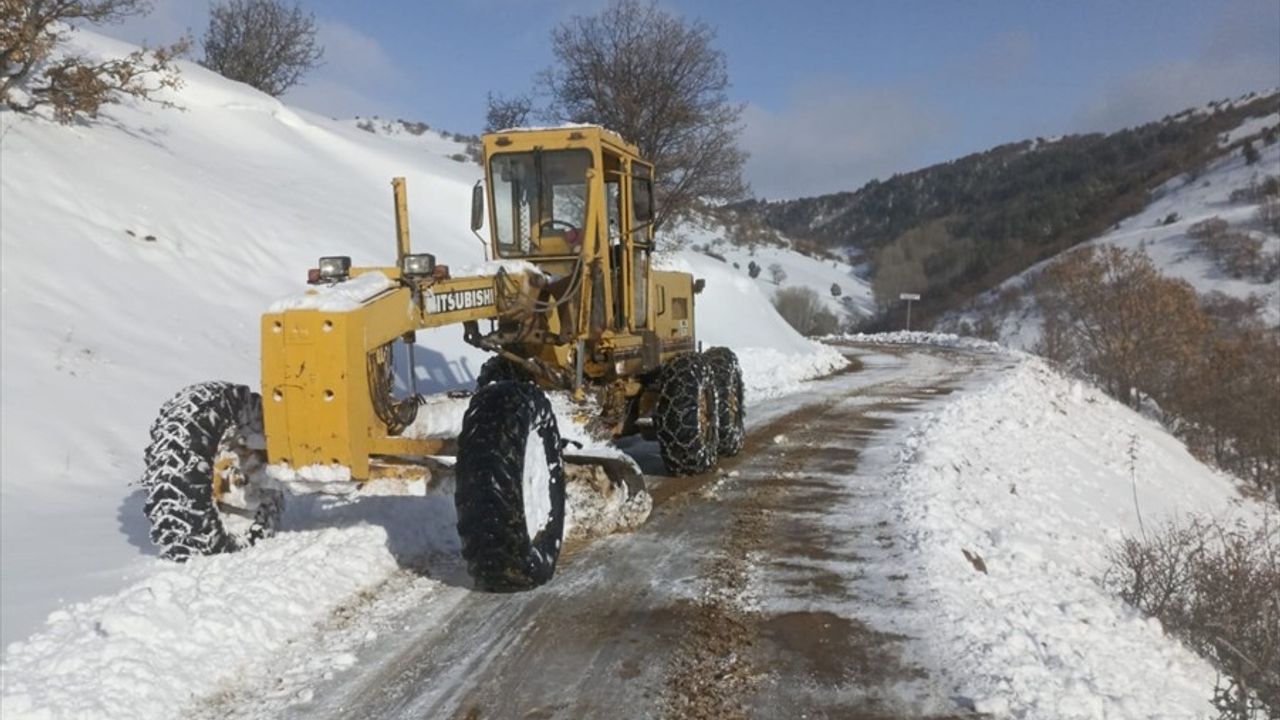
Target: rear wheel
(731,418)
(510,487)
(685,415)
(206,445)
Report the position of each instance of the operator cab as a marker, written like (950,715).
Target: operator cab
(577,202)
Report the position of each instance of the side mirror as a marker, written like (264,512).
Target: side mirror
(699,285)
(477,206)
(662,301)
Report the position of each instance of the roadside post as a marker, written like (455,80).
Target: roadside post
(909,297)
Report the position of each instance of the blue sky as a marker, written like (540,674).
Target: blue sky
(837,93)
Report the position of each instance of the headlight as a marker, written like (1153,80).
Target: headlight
(418,265)
(333,269)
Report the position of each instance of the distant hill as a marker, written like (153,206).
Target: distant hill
(956,229)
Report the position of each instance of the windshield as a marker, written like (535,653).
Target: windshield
(539,201)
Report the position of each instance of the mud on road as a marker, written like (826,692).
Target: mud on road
(772,588)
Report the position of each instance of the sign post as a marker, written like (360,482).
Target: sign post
(909,297)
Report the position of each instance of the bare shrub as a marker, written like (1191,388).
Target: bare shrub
(1216,588)
(74,86)
(1208,229)
(777,273)
(802,308)
(1126,325)
(1268,214)
(263,43)
(1110,316)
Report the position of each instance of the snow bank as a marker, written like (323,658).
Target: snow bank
(1032,476)
(915,337)
(160,643)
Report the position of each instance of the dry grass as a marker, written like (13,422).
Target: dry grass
(1216,588)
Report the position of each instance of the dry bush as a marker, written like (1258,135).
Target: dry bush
(1124,324)
(74,86)
(1216,588)
(1268,214)
(1205,229)
(803,309)
(1230,408)
(1213,371)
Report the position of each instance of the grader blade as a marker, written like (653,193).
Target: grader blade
(621,470)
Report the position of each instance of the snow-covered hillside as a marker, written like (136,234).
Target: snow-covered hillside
(854,303)
(1161,231)
(139,251)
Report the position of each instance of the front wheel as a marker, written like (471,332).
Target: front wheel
(510,487)
(206,447)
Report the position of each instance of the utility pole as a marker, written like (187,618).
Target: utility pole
(909,297)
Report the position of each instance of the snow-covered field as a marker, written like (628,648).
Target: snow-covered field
(138,254)
(1190,199)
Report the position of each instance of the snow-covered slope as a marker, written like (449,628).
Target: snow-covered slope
(854,303)
(1011,496)
(138,253)
(1187,199)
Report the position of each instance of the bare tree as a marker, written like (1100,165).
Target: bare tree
(506,112)
(777,273)
(263,43)
(73,85)
(657,80)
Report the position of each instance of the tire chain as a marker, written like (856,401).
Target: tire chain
(499,368)
(732,415)
(686,448)
(489,495)
(179,461)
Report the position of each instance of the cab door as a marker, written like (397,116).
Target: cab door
(639,234)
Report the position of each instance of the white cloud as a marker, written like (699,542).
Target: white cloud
(167,21)
(835,139)
(356,73)
(1240,53)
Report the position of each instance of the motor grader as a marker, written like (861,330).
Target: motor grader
(569,304)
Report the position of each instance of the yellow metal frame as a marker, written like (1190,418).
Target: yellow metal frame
(316,386)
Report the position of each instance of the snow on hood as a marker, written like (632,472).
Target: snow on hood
(337,297)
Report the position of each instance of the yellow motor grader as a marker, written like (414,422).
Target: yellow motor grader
(571,305)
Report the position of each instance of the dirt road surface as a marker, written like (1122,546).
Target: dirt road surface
(751,592)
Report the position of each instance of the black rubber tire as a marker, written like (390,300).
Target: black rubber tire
(193,427)
(498,368)
(499,424)
(732,415)
(685,415)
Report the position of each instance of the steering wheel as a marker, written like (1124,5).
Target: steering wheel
(571,233)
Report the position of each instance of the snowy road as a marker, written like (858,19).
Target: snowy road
(752,592)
